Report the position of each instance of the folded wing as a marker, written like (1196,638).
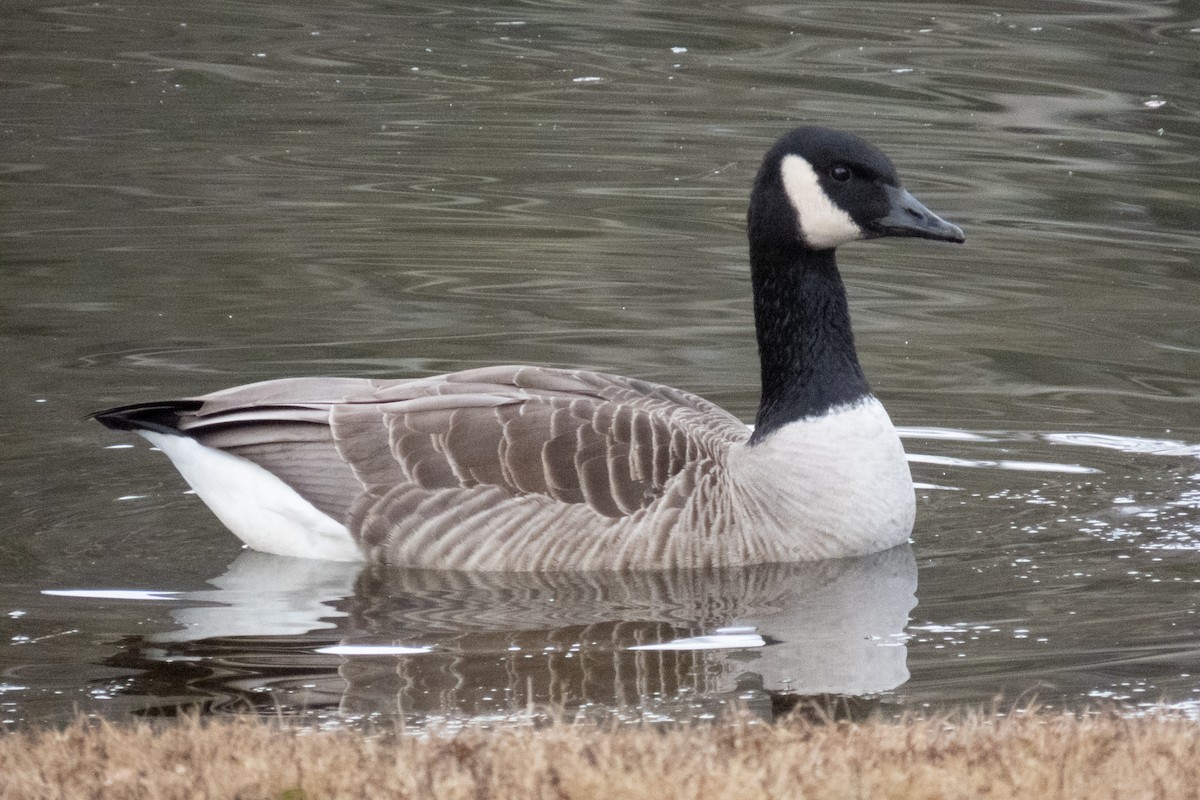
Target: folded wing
(389,458)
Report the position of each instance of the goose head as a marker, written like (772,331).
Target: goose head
(820,188)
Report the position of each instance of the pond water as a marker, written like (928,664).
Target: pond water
(195,197)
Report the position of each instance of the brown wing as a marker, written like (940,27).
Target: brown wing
(386,456)
(578,437)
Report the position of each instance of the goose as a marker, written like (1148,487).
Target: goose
(531,468)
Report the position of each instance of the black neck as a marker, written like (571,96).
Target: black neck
(805,344)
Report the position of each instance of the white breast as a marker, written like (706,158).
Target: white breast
(827,487)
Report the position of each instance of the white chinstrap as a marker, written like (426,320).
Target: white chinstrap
(823,224)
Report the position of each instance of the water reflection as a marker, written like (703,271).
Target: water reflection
(306,636)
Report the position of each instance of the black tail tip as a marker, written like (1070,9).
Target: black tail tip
(161,417)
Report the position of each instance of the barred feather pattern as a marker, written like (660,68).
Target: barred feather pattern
(529,468)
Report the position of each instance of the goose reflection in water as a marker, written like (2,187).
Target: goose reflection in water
(378,641)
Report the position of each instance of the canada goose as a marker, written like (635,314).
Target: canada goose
(533,468)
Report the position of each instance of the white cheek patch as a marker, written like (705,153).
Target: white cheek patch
(823,224)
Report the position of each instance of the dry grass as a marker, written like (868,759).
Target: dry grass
(1027,756)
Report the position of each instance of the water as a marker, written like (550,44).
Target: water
(195,198)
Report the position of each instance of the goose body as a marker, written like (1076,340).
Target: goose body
(533,468)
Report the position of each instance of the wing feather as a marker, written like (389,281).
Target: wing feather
(413,463)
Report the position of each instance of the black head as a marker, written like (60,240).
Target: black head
(819,188)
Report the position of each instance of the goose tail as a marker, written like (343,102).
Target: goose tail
(158,417)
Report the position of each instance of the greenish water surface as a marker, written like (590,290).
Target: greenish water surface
(195,196)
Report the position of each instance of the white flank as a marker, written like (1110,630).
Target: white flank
(823,223)
(260,509)
(839,484)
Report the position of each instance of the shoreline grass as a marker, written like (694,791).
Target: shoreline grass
(970,755)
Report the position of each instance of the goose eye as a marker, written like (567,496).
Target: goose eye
(840,173)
